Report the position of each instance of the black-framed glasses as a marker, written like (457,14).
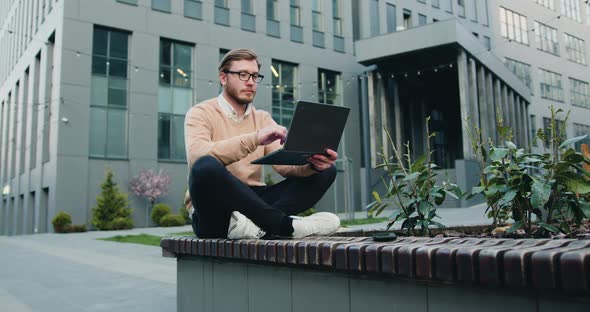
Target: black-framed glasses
(244,76)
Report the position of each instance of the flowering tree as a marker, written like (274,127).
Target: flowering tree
(151,186)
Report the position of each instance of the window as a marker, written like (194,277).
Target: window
(436,4)
(407,19)
(391,18)
(533,129)
(317,20)
(580,130)
(575,48)
(161,5)
(295,13)
(337,16)
(579,93)
(273,26)
(248,18)
(487,42)
(461,7)
(486,21)
(374,8)
(550,4)
(474,17)
(571,9)
(560,130)
(193,9)
(449,6)
(284,76)
(422,20)
(550,85)
(329,87)
(174,98)
(513,26)
(108,101)
(546,38)
(221,11)
(521,70)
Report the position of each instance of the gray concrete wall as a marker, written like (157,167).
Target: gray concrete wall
(208,284)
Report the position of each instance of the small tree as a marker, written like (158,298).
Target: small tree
(111,204)
(151,186)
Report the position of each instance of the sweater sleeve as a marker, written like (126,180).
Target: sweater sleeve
(198,140)
(284,170)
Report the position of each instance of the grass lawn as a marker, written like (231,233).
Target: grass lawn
(153,240)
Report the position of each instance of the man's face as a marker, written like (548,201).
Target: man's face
(242,92)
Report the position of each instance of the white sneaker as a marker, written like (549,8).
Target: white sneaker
(241,227)
(321,223)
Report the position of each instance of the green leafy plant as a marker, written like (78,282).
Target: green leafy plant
(172,220)
(159,211)
(411,186)
(61,221)
(540,192)
(111,205)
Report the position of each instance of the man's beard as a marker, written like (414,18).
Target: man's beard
(235,94)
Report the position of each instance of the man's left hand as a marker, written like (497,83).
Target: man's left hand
(321,162)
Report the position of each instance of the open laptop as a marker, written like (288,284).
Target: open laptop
(314,129)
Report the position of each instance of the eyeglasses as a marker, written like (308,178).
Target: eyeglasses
(244,76)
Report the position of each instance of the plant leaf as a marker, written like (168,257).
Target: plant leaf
(572,141)
(498,153)
(507,198)
(377,197)
(540,193)
(585,207)
(549,227)
(574,182)
(424,208)
(412,176)
(477,189)
(515,226)
(510,145)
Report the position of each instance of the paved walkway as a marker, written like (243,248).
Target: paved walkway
(76,272)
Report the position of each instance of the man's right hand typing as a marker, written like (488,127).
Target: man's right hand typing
(270,134)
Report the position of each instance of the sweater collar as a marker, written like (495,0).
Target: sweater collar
(229,111)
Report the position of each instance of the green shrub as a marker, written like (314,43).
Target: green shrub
(159,211)
(122,223)
(61,221)
(172,220)
(75,228)
(111,204)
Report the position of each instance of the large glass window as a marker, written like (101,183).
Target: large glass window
(521,70)
(571,9)
(193,9)
(391,18)
(550,85)
(422,20)
(108,101)
(513,26)
(461,7)
(174,98)
(579,93)
(559,130)
(284,93)
(407,19)
(546,38)
(533,129)
(272,10)
(436,3)
(575,49)
(329,87)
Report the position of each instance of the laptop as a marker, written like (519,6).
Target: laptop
(314,129)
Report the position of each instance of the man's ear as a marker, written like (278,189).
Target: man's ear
(222,78)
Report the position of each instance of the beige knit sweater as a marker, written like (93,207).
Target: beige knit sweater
(208,131)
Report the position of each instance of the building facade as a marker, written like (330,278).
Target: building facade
(90,85)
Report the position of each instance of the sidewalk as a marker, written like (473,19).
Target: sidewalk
(77,272)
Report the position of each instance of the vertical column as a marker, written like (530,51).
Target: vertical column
(399,121)
(464,98)
(505,110)
(511,113)
(498,113)
(372,119)
(473,100)
(529,139)
(525,123)
(384,114)
(482,104)
(491,116)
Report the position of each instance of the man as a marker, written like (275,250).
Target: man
(222,136)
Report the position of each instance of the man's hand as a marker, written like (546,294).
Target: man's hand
(321,162)
(270,134)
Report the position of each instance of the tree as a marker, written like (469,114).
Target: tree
(112,210)
(151,186)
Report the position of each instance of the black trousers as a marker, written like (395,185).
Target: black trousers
(215,193)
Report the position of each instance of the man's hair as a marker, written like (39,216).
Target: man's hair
(237,55)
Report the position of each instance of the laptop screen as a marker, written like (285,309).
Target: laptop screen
(316,127)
